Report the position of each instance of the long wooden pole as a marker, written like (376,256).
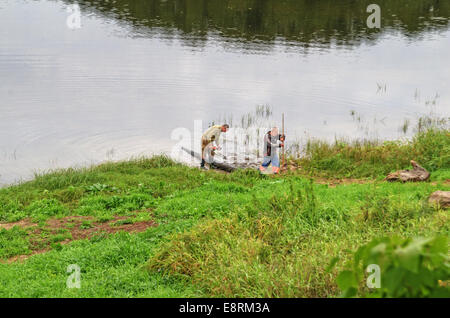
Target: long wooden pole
(282,128)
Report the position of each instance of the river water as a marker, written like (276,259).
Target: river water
(118,84)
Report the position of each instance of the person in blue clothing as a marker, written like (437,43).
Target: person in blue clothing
(272,141)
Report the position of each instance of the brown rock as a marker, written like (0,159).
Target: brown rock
(441,198)
(418,173)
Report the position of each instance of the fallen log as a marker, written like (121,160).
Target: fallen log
(418,173)
(215,164)
(440,198)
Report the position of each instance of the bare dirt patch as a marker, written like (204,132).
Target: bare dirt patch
(73,228)
(335,182)
(25,223)
(79,230)
(445,182)
(21,258)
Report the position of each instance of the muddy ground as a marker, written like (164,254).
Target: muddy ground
(70,228)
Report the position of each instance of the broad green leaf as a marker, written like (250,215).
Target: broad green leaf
(351,292)
(441,292)
(391,280)
(333,262)
(346,280)
(438,250)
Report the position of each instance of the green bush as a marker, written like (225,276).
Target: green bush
(10,211)
(100,187)
(408,268)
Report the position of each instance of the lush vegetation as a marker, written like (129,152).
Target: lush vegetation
(361,159)
(239,234)
(409,267)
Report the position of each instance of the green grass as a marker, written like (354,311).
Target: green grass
(13,242)
(279,243)
(218,235)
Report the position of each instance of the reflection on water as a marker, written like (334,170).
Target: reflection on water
(250,23)
(138,69)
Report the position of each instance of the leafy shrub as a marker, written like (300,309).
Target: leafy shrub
(99,187)
(11,211)
(46,207)
(69,194)
(98,205)
(408,268)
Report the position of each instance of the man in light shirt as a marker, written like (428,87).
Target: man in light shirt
(210,141)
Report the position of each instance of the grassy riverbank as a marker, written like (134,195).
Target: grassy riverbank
(375,159)
(155,228)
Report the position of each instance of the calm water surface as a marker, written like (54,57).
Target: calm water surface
(136,70)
